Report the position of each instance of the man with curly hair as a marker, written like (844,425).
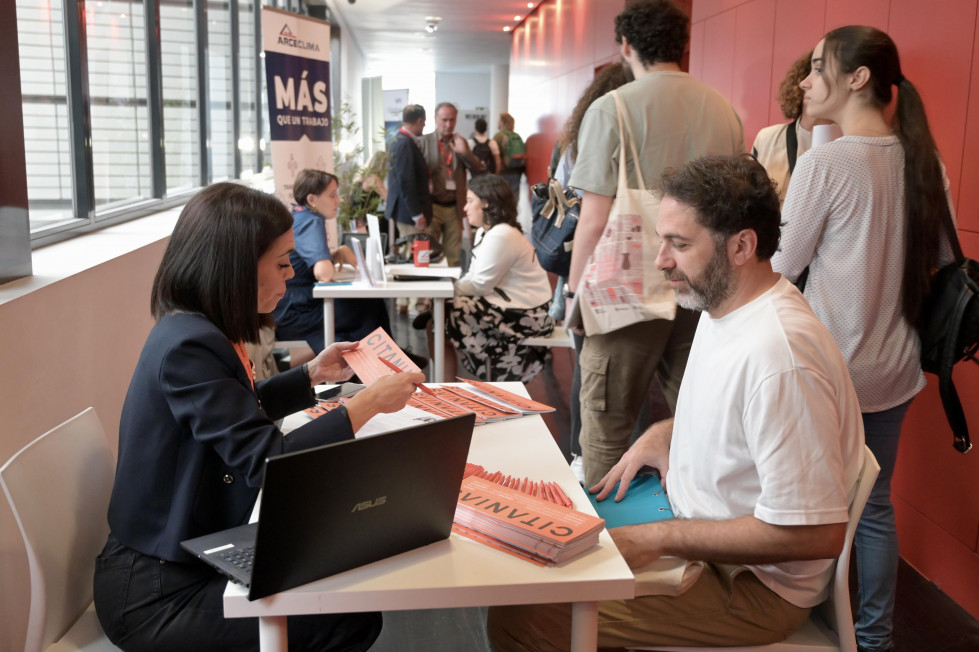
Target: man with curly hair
(766,447)
(673,119)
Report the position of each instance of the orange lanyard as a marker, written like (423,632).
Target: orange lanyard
(245,361)
(448,155)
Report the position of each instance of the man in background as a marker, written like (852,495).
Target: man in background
(485,148)
(447,156)
(513,153)
(673,119)
(409,202)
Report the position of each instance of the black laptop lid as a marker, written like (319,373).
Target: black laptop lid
(329,509)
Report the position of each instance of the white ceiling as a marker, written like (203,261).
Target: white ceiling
(470,36)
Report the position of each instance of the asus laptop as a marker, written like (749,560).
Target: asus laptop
(329,509)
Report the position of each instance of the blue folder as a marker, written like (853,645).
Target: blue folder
(644,502)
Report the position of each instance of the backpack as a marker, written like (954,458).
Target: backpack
(949,330)
(514,147)
(555,217)
(484,153)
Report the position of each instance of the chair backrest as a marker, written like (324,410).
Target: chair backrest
(835,611)
(58,487)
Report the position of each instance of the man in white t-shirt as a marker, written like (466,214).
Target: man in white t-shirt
(762,457)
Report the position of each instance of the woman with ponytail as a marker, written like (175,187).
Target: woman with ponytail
(864,214)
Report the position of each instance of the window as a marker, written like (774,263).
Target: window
(181,122)
(248,140)
(45,106)
(222,142)
(117,86)
(124,121)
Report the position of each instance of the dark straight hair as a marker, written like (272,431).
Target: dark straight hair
(311,182)
(925,202)
(210,265)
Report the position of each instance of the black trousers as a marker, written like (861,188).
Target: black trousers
(146,604)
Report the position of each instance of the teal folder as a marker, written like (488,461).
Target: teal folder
(644,502)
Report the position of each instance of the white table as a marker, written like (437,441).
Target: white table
(458,572)
(438,291)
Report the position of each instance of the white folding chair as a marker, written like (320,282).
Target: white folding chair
(58,488)
(830,627)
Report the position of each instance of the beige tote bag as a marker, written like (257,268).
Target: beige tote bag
(620,285)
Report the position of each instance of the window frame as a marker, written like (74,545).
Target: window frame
(86,215)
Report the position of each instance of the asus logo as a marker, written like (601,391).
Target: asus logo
(367,504)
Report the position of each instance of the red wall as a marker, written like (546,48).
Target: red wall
(743,48)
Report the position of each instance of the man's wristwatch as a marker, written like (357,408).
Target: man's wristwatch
(568,294)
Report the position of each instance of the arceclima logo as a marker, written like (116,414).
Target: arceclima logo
(286,37)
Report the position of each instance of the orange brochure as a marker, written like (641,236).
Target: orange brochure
(493,405)
(364,359)
(435,404)
(549,491)
(510,399)
(320,409)
(547,530)
(516,551)
(482,410)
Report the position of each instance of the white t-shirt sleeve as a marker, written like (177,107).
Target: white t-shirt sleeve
(796,449)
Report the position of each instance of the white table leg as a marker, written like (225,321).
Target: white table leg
(329,329)
(439,317)
(584,627)
(273,634)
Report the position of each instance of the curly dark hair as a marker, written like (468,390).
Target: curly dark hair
(607,79)
(729,194)
(656,29)
(790,95)
(501,205)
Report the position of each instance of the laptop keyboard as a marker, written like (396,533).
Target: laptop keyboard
(240,557)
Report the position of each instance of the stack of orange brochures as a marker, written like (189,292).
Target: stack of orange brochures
(533,529)
(488,410)
(549,491)
(439,407)
(505,399)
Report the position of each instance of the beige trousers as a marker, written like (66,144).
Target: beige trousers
(716,611)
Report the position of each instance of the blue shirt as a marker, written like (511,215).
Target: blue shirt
(309,229)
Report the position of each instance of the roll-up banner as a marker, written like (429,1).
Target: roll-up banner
(297,72)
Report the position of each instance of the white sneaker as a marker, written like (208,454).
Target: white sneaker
(578,468)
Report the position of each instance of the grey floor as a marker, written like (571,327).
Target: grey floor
(434,630)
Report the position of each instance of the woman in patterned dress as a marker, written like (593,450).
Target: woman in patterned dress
(504,297)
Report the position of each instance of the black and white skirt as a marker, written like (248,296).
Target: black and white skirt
(488,338)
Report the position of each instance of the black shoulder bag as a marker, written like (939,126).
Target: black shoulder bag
(949,330)
(555,217)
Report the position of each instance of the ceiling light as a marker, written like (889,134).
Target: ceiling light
(518,18)
(530,5)
(506,29)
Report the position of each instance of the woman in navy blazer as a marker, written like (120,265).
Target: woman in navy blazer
(196,430)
